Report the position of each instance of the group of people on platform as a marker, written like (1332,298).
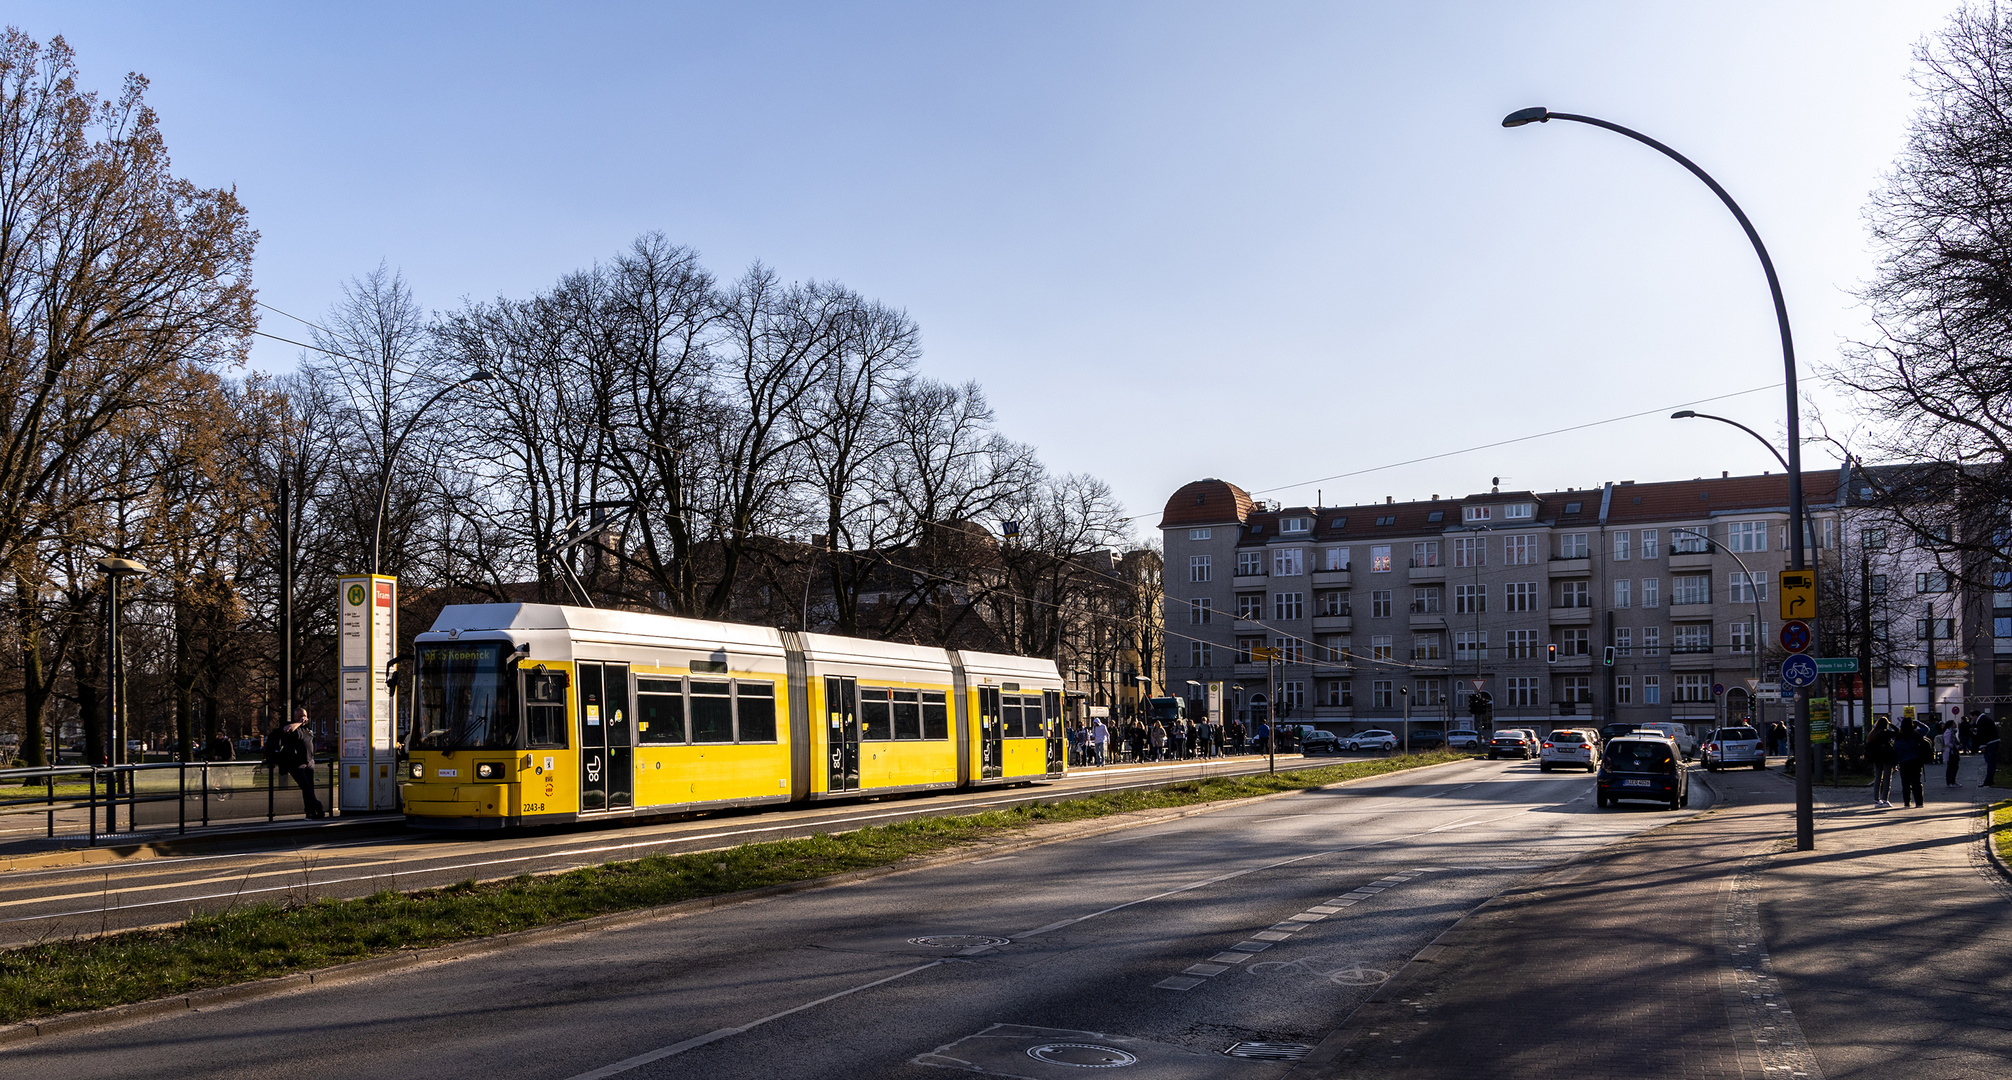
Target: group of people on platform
(1910,747)
(1100,741)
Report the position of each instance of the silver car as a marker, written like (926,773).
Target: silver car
(1729,746)
(1570,746)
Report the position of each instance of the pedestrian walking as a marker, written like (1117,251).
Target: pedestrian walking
(1158,737)
(1952,751)
(1880,754)
(1100,737)
(288,752)
(1911,750)
(1967,732)
(1987,744)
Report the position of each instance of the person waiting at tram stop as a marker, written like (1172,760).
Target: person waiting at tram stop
(288,751)
(1879,753)
(1912,751)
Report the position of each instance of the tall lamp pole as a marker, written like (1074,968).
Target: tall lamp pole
(115,569)
(390,459)
(1805,756)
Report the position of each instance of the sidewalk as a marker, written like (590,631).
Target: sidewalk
(1709,949)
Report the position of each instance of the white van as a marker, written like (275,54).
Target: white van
(1687,744)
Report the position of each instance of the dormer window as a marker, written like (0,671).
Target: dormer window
(1338,523)
(1388,519)
(1571,508)
(1475,513)
(1435,517)
(1295,525)
(1520,511)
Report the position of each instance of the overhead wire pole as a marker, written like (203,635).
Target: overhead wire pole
(1805,756)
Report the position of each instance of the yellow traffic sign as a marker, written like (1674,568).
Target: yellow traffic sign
(1798,594)
(1265,653)
(1951,665)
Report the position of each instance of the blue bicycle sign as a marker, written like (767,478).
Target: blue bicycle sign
(1798,670)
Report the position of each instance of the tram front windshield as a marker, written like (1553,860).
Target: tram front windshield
(467,697)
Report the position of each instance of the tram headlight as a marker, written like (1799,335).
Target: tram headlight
(418,770)
(489,770)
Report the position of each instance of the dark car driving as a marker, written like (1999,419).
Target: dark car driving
(1427,738)
(1642,768)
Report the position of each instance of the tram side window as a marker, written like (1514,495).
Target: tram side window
(1030,718)
(660,710)
(907,715)
(935,715)
(756,702)
(1009,712)
(545,710)
(876,714)
(712,712)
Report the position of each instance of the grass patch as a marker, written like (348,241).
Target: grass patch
(2001,829)
(269,940)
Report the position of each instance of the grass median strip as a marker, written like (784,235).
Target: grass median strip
(2001,830)
(268,940)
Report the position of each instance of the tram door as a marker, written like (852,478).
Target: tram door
(841,706)
(1058,746)
(991,735)
(606,755)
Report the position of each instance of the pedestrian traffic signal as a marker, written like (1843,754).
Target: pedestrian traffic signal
(1551,653)
(1610,656)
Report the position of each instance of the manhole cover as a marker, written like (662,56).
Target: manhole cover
(1269,1051)
(958,941)
(1082,1055)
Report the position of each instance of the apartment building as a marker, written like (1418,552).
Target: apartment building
(1392,608)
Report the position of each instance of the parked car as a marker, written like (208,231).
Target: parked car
(1373,739)
(1427,738)
(1687,744)
(1521,742)
(1320,742)
(1463,739)
(1645,767)
(1570,746)
(1733,746)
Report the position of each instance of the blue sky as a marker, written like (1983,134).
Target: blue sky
(1268,242)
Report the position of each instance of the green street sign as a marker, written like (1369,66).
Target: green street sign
(1837,665)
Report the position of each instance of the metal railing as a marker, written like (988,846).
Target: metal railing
(202,793)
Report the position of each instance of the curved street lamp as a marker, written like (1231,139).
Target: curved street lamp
(390,459)
(1689,414)
(1805,755)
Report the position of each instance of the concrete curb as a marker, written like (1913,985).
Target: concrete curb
(1991,848)
(190,844)
(372,967)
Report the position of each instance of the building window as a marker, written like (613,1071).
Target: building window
(1624,690)
(1572,641)
(1425,647)
(1333,602)
(1379,559)
(1945,629)
(1470,645)
(1652,641)
(1745,591)
(1199,534)
(1379,604)
(1250,605)
(1288,606)
(1250,563)
(1519,511)
(1522,644)
(1294,524)
(1575,594)
(1879,584)
(1522,692)
(1624,640)
(1292,694)
(1380,647)
(1691,638)
(1381,692)
(1577,689)
(1519,550)
(1333,649)
(1470,551)
(1572,546)
(1745,536)
(1340,694)
(1652,689)
(1935,581)
(1650,548)
(1688,542)
(1291,650)
(1426,601)
(1474,513)
(1690,589)
(1287,562)
(1198,612)
(1824,536)
(1198,568)
(1621,546)
(1425,553)
(1470,599)
(1692,688)
(1387,519)
(1244,647)
(1430,691)
(1874,539)
(1743,637)
(1649,592)
(1521,595)
(1334,558)
(1198,654)
(1623,593)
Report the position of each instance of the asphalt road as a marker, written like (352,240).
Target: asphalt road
(1263,922)
(39,905)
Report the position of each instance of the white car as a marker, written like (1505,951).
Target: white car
(1687,744)
(1570,746)
(1370,740)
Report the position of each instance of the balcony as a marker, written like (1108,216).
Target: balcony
(1573,663)
(1691,560)
(1570,567)
(1336,579)
(1434,619)
(1340,624)
(1427,570)
(1334,712)
(1572,616)
(1688,659)
(1247,581)
(1248,626)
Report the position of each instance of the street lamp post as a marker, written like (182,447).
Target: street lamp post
(390,459)
(115,569)
(1805,756)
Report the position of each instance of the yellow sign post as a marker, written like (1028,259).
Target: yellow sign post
(1798,594)
(1263,653)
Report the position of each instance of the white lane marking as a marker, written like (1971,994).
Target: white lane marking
(674,1049)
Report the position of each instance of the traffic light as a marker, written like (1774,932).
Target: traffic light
(1610,656)
(1551,653)
(1481,704)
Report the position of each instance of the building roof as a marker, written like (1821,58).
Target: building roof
(1206,502)
(1679,499)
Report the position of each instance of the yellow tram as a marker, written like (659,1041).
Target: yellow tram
(531,714)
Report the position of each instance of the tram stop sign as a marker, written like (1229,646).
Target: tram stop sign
(1795,636)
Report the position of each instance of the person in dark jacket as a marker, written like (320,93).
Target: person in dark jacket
(1912,751)
(1879,753)
(288,751)
(1987,744)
